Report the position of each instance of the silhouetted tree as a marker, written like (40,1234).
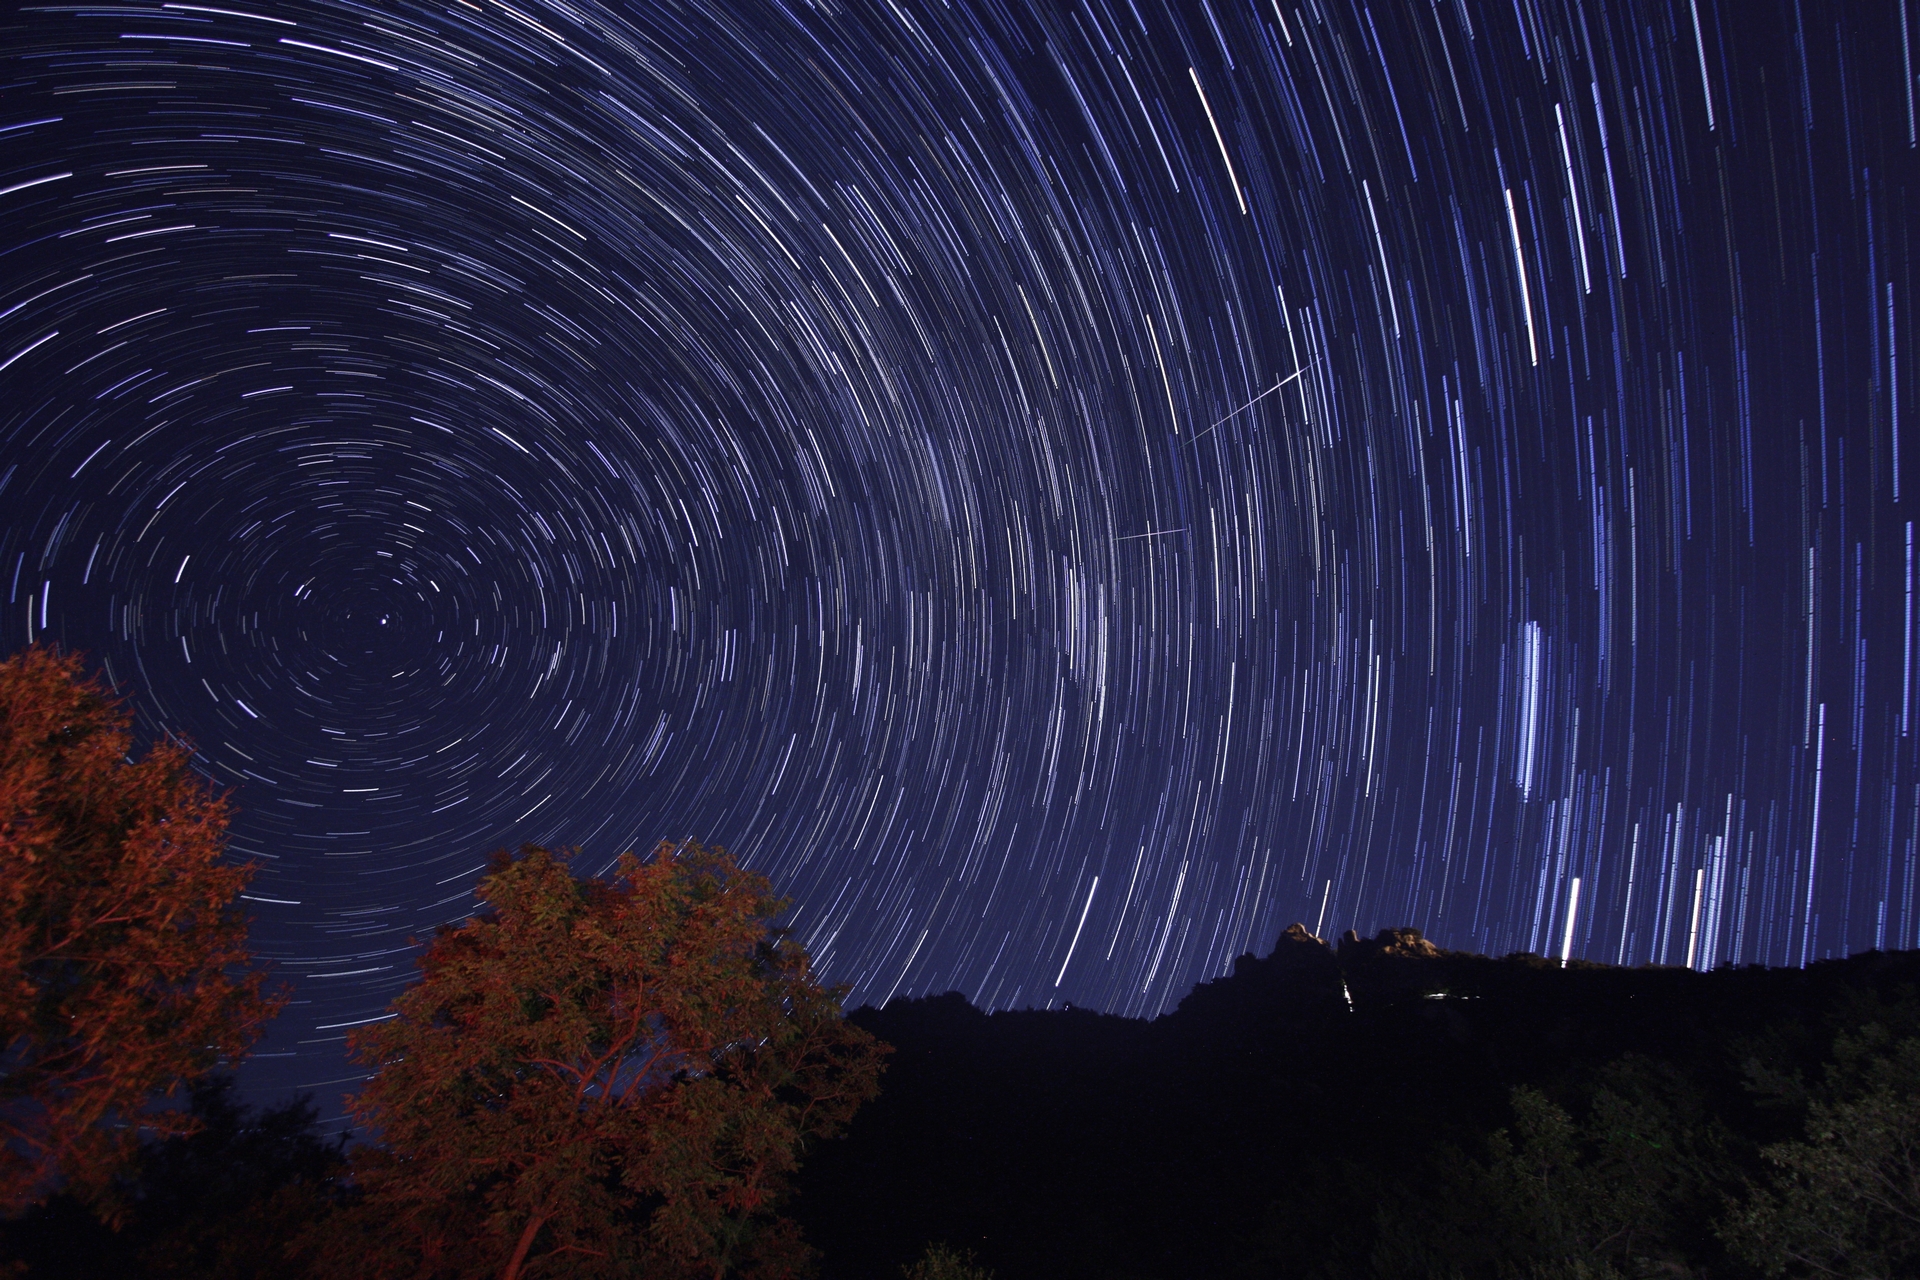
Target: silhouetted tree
(219,1203)
(943,1262)
(123,963)
(222,1202)
(1621,1185)
(600,1077)
(1845,1201)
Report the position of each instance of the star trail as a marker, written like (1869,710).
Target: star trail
(1064,489)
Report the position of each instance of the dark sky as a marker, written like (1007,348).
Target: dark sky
(1065,490)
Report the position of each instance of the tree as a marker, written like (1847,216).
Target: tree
(601,1077)
(123,963)
(217,1204)
(221,1203)
(1621,1186)
(944,1262)
(1846,1201)
(1627,1189)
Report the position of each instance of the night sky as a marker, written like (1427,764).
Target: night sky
(1065,490)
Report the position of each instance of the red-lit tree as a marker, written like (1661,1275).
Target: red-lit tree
(600,1077)
(123,964)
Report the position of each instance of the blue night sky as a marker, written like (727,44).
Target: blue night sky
(1064,489)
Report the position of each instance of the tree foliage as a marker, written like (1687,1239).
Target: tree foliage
(1620,1185)
(219,1203)
(601,1077)
(222,1202)
(123,962)
(1845,1201)
(944,1262)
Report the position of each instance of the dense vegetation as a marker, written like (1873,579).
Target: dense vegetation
(123,960)
(1391,1110)
(1462,1117)
(593,1077)
(640,1076)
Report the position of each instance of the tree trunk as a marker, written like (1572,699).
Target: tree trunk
(519,1258)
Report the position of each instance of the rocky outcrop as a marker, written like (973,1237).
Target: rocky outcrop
(1298,958)
(1397,944)
(1299,977)
(1395,964)
(1297,934)
(1304,977)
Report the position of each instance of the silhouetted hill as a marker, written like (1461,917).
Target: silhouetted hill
(1305,1116)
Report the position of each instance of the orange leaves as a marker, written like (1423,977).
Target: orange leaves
(611,1076)
(619,1072)
(125,966)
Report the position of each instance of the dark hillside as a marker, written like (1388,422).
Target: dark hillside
(1318,1113)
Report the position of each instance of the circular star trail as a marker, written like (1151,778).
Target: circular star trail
(1064,489)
